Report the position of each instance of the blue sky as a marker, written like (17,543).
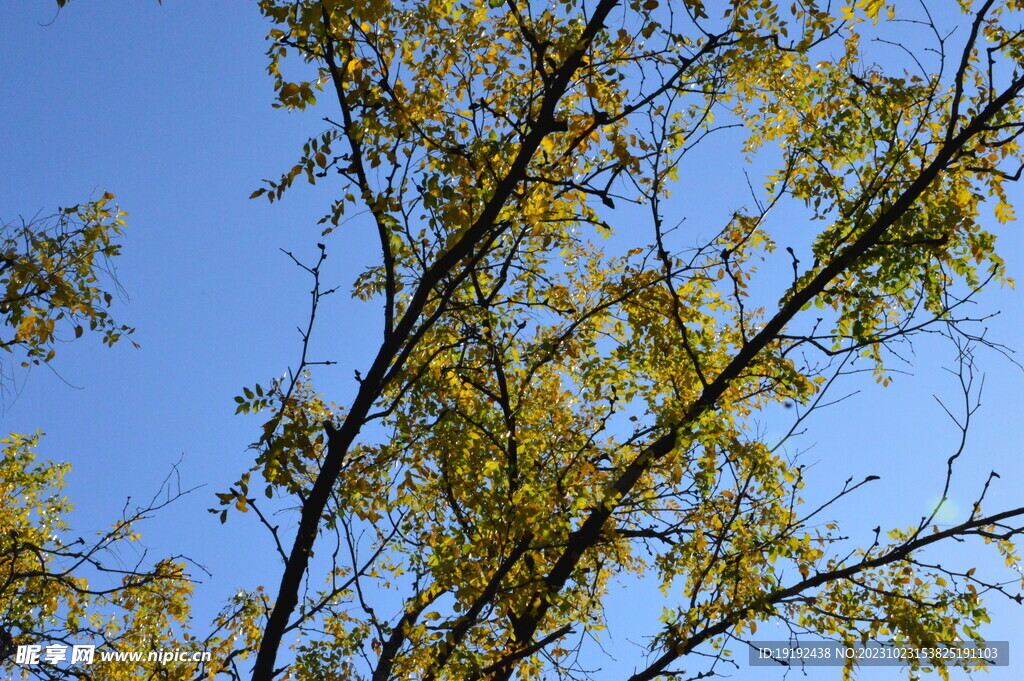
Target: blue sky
(169,108)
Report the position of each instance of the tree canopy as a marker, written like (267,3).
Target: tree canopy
(561,410)
(55,272)
(576,350)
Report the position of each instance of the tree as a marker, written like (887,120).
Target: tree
(58,590)
(561,413)
(54,275)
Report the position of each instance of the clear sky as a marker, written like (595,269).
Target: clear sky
(169,108)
